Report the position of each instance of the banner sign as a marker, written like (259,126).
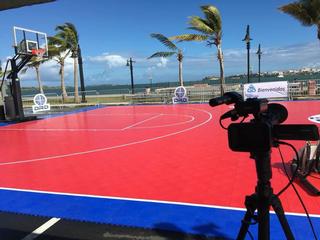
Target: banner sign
(314,118)
(40,102)
(266,90)
(180,95)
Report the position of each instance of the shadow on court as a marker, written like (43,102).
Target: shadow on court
(20,226)
(177,233)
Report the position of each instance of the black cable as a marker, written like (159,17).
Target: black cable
(294,188)
(221,125)
(244,118)
(294,174)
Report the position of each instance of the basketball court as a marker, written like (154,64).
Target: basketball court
(158,167)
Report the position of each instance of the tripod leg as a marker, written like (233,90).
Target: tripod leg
(250,203)
(244,225)
(277,207)
(263,219)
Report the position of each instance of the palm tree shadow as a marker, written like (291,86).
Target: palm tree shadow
(210,229)
(173,232)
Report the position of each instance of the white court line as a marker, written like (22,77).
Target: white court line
(169,125)
(114,147)
(44,227)
(118,114)
(192,118)
(148,201)
(60,129)
(143,121)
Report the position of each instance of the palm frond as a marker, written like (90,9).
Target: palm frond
(24,70)
(213,17)
(54,40)
(73,30)
(69,35)
(299,12)
(35,62)
(315,11)
(59,28)
(200,25)
(164,40)
(56,45)
(190,37)
(162,54)
(53,51)
(57,42)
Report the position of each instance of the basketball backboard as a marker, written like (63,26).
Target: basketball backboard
(27,42)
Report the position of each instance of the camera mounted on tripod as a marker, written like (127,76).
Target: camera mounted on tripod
(261,133)
(258,136)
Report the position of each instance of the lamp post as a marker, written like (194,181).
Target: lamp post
(150,78)
(129,64)
(259,53)
(247,39)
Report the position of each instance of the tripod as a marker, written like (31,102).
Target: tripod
(261,201)
(258,137)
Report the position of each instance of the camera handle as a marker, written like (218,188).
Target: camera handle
(261,201)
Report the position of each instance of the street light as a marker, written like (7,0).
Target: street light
(129,64)
(259,53)
(150,78)
(247,39)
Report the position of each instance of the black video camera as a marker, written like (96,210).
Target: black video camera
(261,132)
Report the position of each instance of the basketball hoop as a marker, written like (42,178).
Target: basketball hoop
(38,52)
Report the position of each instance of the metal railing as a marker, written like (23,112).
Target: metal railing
(200,94)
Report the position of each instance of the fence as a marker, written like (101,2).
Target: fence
(198,93)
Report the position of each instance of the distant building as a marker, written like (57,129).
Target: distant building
(280,75)
(306,69)
(210,78)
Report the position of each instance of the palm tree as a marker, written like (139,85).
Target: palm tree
(210,28)
(35,63)
(306,11)
(175,51)
(59,51)
(1,71)
(69,33)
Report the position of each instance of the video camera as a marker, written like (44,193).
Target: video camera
(261,132)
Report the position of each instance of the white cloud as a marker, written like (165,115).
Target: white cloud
(157,64)
(163,63)
(233,53)
(111,60)
(273,58)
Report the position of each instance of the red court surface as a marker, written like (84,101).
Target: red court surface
(175,153)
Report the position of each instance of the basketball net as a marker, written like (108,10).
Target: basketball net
(38,53)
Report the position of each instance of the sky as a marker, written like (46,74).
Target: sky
(112,31)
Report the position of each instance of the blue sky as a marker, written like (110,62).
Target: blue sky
(114,30)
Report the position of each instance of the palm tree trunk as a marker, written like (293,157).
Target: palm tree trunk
(63,86)
(39,79)
(220,58)
(180,73)
(75,75)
